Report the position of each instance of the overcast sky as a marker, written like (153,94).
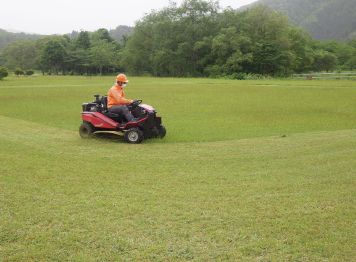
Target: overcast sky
(61,17)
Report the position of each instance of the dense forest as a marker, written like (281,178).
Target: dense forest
(197,39)
(324,19)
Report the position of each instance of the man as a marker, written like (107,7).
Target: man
(117,101)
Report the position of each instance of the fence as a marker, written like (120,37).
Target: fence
(324,75)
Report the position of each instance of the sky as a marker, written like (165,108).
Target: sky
(62,17)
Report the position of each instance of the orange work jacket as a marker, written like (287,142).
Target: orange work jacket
(116,97)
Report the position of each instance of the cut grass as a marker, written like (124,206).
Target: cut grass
(263,198)
(195,109)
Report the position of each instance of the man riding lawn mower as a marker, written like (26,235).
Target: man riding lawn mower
(117,115)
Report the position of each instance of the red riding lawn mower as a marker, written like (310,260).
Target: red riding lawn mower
(97,119)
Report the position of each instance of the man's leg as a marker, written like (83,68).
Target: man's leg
(122,110)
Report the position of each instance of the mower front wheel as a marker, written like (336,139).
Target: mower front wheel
(134,136)
(161,131)
(86,130)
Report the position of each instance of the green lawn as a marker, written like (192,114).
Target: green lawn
(249,171)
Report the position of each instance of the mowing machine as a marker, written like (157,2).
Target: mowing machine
(97,119)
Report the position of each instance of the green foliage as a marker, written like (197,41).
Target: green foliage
(78,61)
(29,72)
(83,40)
(237,76)
(53,54)
(163,43)
(324,61)
(352,43)
(3,72)
(20,54)
(257,41)
(103,54)
(102,34)
(18,71)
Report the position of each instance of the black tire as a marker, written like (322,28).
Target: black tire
(86,130)
(134,136)
(161,131)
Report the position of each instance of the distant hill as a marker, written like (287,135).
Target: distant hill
(7,37)
(324,19)
(120,31)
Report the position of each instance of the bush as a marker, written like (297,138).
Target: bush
(3,72)
(213,71)
(29,72)
(18,71)
(254,76)
(238,76)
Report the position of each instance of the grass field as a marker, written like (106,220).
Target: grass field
(249,171)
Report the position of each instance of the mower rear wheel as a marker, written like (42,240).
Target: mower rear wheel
(134,136)
(86,130)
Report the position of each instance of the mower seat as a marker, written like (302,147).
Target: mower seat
(104,102)
(117,117)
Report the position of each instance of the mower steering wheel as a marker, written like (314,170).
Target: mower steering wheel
(134,104)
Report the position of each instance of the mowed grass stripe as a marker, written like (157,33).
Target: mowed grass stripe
(195,109)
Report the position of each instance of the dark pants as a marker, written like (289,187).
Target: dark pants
(121,110)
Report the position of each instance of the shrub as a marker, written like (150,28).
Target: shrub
(3,72)
(18,71)
(238,76)
(254,76)
(29,72)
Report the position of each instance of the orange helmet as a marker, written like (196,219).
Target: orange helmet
(121,78)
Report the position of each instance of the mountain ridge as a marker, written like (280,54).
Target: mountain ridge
(324,19)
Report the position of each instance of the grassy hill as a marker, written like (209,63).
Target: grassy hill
(325,19)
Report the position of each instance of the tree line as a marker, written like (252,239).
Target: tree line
(196,39)
(89,53)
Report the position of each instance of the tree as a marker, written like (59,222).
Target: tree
(78,61)
(269,31)
(103,54)
(196,19)
(163,41)
(20,54)
(83,40)
(103,34)
(301,49)
(2,59)
(231,50)
(342,51)
(351,63)
(324,61)
(53,55)
(135,58)
(43,63)
(352,43)
(3,73)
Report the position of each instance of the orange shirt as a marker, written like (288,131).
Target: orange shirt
(116,97)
